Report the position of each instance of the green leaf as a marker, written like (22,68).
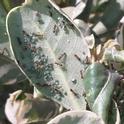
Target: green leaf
(77,117)
(4,41)
(50,50)
(9,72)
(9,4)
(114,114)
(99,84)
(94,79)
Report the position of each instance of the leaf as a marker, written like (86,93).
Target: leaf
(77,117)
(50,51)
(99,84)
(83,26)
(4,41)
(114,11)
(74,11)
(9,72)
(22,108)
(120,36)
(114,115)
(113,55)
(9,4)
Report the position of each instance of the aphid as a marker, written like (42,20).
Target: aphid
(61,23)
(48,78)
(71,25)
(44,60)
(55,29)
(33,49)
(60,93)
(50,13)
(74,93)
(38,14)
(27,46)
(81,73)
(49,67)
(19,40)
(39,49)
(38,65)
(62,55)
(39,18)
(74,81)
(24,32)
(84,94)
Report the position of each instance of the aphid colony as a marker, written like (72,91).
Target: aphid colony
(40,61)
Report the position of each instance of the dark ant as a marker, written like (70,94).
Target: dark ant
(64,54)
(58,64)
(81,73)
(78,58)
(74,93)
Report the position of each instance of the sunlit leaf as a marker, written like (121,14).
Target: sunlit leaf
(50,50)
(77,117)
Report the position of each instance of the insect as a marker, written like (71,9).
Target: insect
(19,40)
(33,49)
(38,65)
(48,76)
(74,81)
(25,33)
(55,29)
(81,73)
(58,64)
(50,13)
(74,93)
(78,58)
(84,94)
(39,35)
(62,23)
(87,60)
(62,55)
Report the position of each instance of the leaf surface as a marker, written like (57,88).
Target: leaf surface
(50,50)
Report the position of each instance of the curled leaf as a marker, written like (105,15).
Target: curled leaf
(114,114)
(22,108)
(113,55)
(99,84)
(74,11)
